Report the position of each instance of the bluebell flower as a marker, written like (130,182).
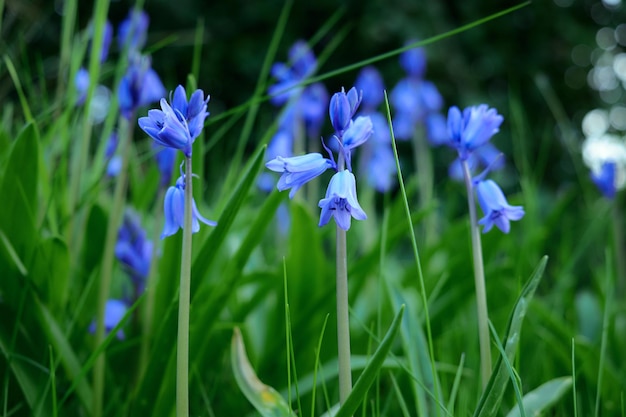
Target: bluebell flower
(139,86)
(114,312)
(179,124)
(370,82)
(342,107)
(495,207)
(81,82)
(605,155)
(301,65)
(483,157)
(165,159)
(133,30)
(107,37)
(341,201)
(472,128)
(134,250)
(413,61)
(174,209)
(298,170)
(358,131)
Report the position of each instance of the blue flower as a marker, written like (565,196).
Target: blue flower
(413,61)
(341,201)
(370,82)
(179,124)
(358,132)
(114,312)
(298,170)
(140,85)
(605,179)
(495,207)
(342,107)
(484,157)
(134,250)
(301,65)
(605,155)
(165,158)
(473,128)
(133,30)
(174,209)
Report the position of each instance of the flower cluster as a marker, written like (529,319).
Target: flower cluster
(468,132)
(303,106)
(340,200)
(176,126)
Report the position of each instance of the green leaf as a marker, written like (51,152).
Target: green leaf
(489,402)
(546,395)
(264,398)
(369,374)
(51,273)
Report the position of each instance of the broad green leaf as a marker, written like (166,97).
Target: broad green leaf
(368,376)
(489,402)
(50,271)
(546,395)
(264,398)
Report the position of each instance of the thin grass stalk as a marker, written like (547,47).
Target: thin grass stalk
(115,218)
(479,281)
(425,180)
(182,352)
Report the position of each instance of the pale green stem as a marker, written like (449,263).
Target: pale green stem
(424,170)
(182,353)
(115,218)
(479,281)
(620,250)
(343,322)
(343,319)
(151,286)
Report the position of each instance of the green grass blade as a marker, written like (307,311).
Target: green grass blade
(264,398)
(546,395)
(369,374)
(489,402)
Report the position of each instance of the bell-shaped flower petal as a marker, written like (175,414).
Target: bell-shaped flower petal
(340,112)
(133,30)
(341,201)
(370,82)
(298,170)
(114,312)
(358,132)
(174,210)
(495,207)
(473,128)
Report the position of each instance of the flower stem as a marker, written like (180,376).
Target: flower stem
(182,356)
(479,281)
(115,218)
(425,183)
(343,322)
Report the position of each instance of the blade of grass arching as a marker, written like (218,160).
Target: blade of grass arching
(258,92)
(317,364)
(264,398)
(55,411)
(367,377)
(513,375)
(489,402)
(418,264)
(455,385)
(28,116)
(608,305)
(546,395)
(574,394)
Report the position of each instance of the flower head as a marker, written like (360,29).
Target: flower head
(605,155)
(133,30)
(472,128)
(370,82)
(301,65)
(134,250)
(298,170)
(140,85)
(495,207)
(165,158)
(174,209)
(114,312)
(414,62)
(341,201)
(342,107)
(179,124)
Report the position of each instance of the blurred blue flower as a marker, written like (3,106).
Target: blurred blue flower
(495,207)
(174,209)
(605,155)
(605,179)
(81,82)
(341,201)
(370,83)
(134,250)
(165,159)
(301,65)
(107,37)
(472,128)
(139,86)
(133,30)
(114,312)
(298,170)
(179,124)
(483,157)
(413,61)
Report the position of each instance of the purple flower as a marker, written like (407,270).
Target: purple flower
(174,209)
(114,312)
(370,82)
(133,30)
(179,124)
(140,85)
(472,128)
(134,250)
(341,201)
(298,170)
(495,207)
(605,179)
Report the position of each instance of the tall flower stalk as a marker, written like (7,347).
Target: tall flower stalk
(340,202)
(176,126)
